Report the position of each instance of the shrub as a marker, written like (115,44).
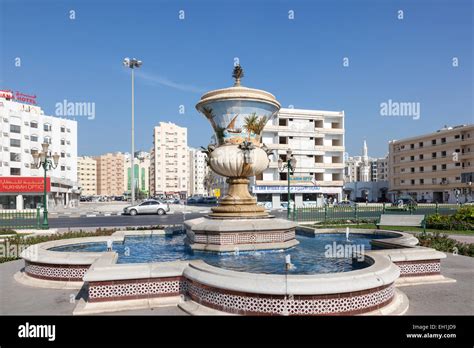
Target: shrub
(462,220)
(442,242)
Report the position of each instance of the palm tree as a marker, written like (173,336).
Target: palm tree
(250,124)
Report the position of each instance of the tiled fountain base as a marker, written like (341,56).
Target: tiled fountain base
(55,272)
(419,268)
(243,303)
(221,235)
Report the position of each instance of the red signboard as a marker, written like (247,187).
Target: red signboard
(18,96)
(21,184)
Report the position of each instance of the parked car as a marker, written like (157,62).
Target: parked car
(345,204)
(210,200)
(195,200)
(173,201)
(404,201)
(147,207)
(471,202)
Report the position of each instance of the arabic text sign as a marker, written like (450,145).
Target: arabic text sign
(23,184)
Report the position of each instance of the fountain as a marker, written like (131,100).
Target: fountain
(238,115)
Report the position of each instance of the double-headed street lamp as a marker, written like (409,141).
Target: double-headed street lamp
(48,162)
(290,165)
(133,64)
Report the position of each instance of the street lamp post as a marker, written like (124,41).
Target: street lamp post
(290,166)
(133,64)
(48,162)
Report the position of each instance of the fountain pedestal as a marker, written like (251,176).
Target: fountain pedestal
(238,116)
(231,235)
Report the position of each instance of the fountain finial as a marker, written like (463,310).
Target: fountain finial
(237,74)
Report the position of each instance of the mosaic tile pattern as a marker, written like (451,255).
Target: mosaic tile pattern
(243,238)
(56,272)
(254,304)
(417,268)
(133,289)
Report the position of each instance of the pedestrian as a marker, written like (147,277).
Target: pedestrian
(109,245)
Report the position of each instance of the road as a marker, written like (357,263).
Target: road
(125,220)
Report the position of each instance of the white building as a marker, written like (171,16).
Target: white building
(198,170)
(23,128)
(316,139)
(169,164)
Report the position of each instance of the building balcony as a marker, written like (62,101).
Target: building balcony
(329,165)
(298,183)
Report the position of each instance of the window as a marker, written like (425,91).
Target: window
(34,124)
(15,143)
(412,158)
(422,181)
(443,167)
(63,142)
(15,171)
(433,168)
(422,169)
(421,157)
(47,140)
(443,140)
(282,122)
(443,153)
(456,136)
(34,138)
(63,129)
(15,157)
(420,144)
(433,155)
(412,146)
(47,127)
(15,129)
(63,168)
(433,142)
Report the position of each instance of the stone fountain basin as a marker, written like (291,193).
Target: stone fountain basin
(368,290)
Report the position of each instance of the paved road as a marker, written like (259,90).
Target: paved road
(125,220)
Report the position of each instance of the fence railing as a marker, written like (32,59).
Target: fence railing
(367,211)
(20,219)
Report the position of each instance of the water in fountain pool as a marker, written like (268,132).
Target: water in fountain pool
(308,257)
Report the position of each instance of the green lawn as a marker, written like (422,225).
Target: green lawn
(394,228)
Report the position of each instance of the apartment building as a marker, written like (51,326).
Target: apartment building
(198,170)
(169,162)
(141,175)
(434,167)
(110,174)
(87,175)
(316,139)
(23,128)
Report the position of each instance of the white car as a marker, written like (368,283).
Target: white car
(147,207)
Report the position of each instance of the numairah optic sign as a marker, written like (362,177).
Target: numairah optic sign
(23,184)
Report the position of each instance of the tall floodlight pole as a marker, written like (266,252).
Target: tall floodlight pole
(132,64)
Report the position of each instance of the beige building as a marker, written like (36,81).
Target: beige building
(169,163)
(142,178)
(436,167)
(110,174)
(87,175)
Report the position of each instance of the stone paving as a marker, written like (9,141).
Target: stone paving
(433,299)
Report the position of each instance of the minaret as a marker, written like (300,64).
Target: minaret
(364,168)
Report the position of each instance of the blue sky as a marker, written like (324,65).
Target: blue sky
(299,60)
